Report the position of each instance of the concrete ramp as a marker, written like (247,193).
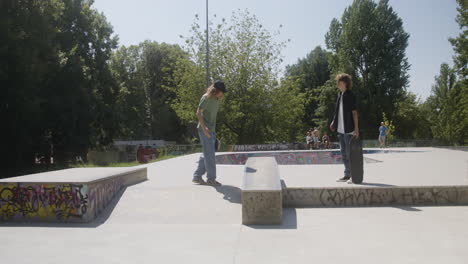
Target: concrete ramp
(71,195)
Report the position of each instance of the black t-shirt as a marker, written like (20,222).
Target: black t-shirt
(349,105)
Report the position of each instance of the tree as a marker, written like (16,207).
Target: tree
(311,72)
(460,43)
(445,103)
(59,94)
(144,73)
(327,95)
(369,43)
(245,56)
(447,107)
(410,119)
(286,122)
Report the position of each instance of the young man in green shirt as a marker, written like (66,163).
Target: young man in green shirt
(206,114)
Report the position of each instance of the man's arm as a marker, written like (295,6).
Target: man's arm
(356,124)
(202,122)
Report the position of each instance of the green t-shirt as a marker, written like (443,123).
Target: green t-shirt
(210,108)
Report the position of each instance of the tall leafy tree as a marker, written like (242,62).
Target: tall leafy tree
(447,107)
(57,91)
(369,42)
(246,57)
(311,72)
(411,120)
(443,103)
(144,74)
(460,43)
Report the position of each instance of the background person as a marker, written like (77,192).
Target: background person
(382,134)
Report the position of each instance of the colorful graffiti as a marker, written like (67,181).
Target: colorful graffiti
(56,202)
(277,146)
(59,201)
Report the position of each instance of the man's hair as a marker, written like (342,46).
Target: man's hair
(346,78)
(214,88)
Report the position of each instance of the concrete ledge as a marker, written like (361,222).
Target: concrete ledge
(376,196)
(261,192)
(72,195)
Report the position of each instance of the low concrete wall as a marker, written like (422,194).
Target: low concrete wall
(376,196)
(62,201)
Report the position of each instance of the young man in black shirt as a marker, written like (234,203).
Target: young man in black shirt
(345,120)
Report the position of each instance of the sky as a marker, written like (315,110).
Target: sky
(305,22)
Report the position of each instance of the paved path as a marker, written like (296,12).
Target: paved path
(169,220)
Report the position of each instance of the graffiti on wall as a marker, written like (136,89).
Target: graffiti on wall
(60,201)
(330,197)
(278,146)
(262,147)
(63,202)
(101,193)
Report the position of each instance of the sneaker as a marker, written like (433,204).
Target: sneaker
(198,180)
(350,181)
(213,183)
(343,179)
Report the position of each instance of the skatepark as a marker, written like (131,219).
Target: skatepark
(163,217)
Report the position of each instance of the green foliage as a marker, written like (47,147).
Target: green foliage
(58,92)
(326,106)
(143,74)
(245,56)
(447,107)
(411,120)
(460,43)
(287,111)
(311,72)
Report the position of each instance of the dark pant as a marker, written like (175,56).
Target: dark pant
(344,145)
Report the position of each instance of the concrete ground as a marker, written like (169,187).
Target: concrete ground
(168,220)
(415,167)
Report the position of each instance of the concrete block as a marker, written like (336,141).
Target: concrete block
(72,195)
(262,202)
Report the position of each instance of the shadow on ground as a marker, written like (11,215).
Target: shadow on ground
(289,221)
(230,193)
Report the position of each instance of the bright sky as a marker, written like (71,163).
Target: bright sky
(429,22)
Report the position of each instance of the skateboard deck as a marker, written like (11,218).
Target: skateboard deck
(356,160)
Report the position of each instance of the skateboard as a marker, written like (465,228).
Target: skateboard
(356,160)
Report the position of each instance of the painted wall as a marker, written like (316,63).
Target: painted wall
(23,201)
(277,146)
(56,202)
(381,196)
